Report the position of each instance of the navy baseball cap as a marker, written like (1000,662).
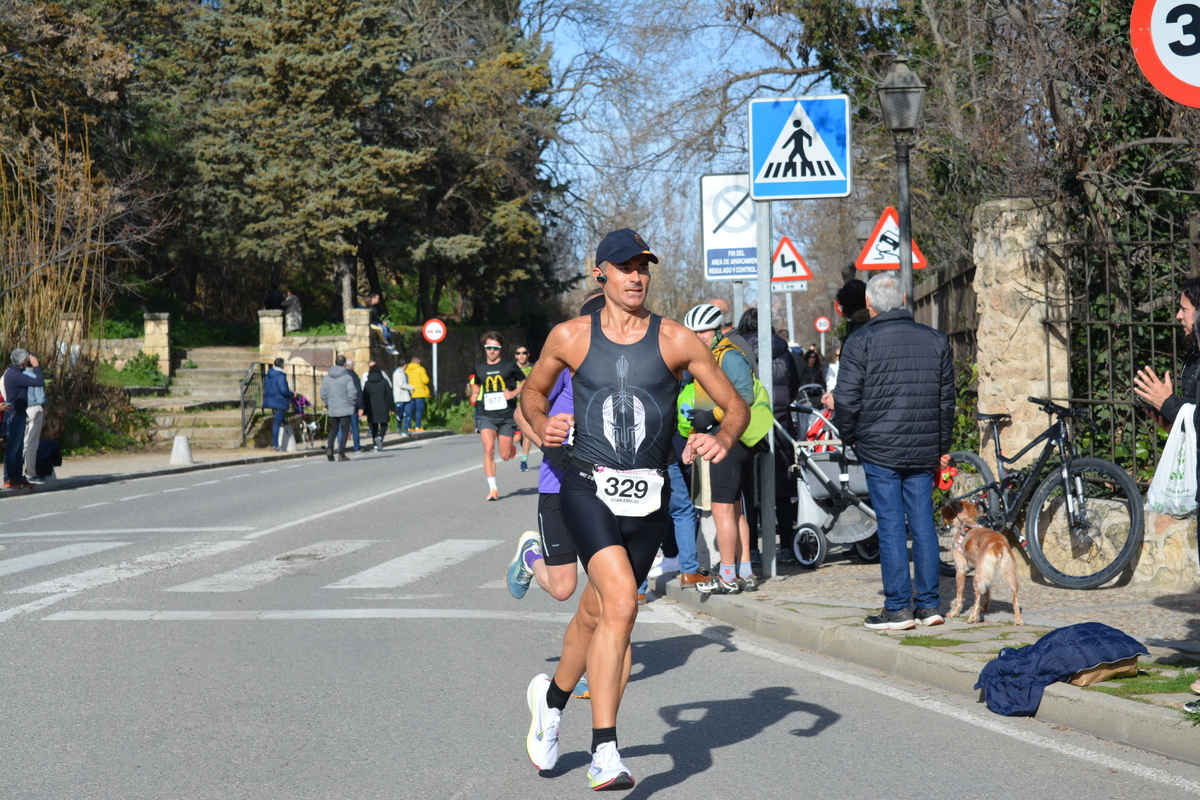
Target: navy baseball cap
(620,246)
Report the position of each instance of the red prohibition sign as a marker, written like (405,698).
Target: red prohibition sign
(434,331)
(1165,35)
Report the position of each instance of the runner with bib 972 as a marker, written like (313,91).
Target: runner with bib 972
(627,364)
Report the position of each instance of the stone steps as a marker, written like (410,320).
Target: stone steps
(203,399)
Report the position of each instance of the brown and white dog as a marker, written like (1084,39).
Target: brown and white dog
(984,549)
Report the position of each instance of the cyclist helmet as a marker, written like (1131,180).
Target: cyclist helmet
(703,317)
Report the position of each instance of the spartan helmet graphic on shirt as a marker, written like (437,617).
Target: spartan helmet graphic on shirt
(624,415)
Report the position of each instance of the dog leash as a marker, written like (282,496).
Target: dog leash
(962,535)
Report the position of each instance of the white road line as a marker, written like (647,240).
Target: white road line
(293,466)
(205,483)
(33,560)
(680,617)
(39,516)
(124,531)
(242,475)
(416,565)
(251,576)
(264,471)
(371,499)
(500,584)
(93,505)
(40,603)
(178,489)
(113,615)
(151,562)
(133,497)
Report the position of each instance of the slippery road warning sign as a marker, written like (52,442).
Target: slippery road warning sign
(883,247)
(789,272)
(800,147)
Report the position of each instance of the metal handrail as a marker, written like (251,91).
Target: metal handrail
(247,382)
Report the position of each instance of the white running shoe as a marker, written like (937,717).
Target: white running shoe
(542,742)
(607,773)
(664,567)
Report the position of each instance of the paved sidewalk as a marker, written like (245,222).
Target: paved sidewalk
(823,610)
(110,467)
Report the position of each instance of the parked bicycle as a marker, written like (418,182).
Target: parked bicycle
(1083,521)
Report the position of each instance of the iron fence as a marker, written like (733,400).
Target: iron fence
(1122,293)
(947,303)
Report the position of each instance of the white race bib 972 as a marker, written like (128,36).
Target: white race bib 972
(629,492)
(495,401)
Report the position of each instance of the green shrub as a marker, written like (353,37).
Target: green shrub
(324,329)
(141,370)
(447,411)
(121,329)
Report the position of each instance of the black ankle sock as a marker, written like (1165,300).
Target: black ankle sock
(556,697)
(602,735)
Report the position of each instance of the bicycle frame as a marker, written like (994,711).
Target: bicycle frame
(1055,437)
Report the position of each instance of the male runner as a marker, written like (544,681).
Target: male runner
(526,366)
(626,363)
(498,382)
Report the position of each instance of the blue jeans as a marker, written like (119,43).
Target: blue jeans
(403,415)
(685,517)
(276,424)
(418,411)
(14,446)
(897,495)
(354,433)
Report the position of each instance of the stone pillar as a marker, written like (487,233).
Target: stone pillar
(358,332)
(270,334)
(1018,287)
(157,341)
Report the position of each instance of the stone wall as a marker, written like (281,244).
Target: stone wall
(1018,288)
(155,341)
(120,350)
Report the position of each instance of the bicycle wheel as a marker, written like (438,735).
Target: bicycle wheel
(973,475)
(1107,529)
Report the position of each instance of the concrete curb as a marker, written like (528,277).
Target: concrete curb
(79,483)
(1149,727)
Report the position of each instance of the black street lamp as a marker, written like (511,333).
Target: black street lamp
(901,97)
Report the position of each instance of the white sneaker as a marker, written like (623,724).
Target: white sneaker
(542,742)
(664,567)
(607,772)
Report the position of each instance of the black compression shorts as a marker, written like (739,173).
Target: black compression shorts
(557,545)
(726,475)
(594,526)
(504,427)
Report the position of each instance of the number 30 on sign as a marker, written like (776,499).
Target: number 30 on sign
(1165,35)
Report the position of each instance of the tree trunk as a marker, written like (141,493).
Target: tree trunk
(372,273)
(423,309)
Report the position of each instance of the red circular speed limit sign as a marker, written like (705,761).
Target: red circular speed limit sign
(822,324)
(434,331)
(1165,35)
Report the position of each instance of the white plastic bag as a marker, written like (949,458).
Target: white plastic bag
(1173,490)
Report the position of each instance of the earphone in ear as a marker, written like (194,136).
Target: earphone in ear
(600,279)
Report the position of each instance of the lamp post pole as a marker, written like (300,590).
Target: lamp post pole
(901,97)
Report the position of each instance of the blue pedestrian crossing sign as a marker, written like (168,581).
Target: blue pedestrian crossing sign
(800,147)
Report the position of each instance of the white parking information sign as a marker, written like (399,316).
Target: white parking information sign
(729,228)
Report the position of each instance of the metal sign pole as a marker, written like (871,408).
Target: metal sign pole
(766,516)
(739,292)
(791,319)
(435,370)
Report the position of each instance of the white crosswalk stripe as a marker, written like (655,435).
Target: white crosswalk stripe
(55,555)
(151,562)
(416,565)
(259,573)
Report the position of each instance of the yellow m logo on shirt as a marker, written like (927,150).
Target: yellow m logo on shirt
(493,383)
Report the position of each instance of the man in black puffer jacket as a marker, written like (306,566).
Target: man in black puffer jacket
(894,403)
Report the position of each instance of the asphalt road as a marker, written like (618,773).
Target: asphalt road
(317,630)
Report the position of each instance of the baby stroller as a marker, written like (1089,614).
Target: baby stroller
(831,488)
(304,421)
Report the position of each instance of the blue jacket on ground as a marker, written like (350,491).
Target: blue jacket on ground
(1014,682)
(275,390)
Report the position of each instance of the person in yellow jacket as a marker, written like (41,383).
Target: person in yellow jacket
(418,378)
(702,415)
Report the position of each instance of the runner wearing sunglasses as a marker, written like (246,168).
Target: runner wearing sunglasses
(496,384)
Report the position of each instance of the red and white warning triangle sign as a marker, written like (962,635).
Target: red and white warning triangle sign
(883,248)
(787,263)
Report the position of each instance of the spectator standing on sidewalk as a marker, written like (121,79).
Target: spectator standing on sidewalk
(526,366)
(33,428)
(16,393)
(402,397)
(341,401)
(377,400)
(277,397)
(358,405)
(419,379)
(894,404)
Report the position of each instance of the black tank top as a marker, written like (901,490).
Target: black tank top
(624,402)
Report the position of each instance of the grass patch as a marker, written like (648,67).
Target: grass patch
(447,411)
(1150,681)
(932,641)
